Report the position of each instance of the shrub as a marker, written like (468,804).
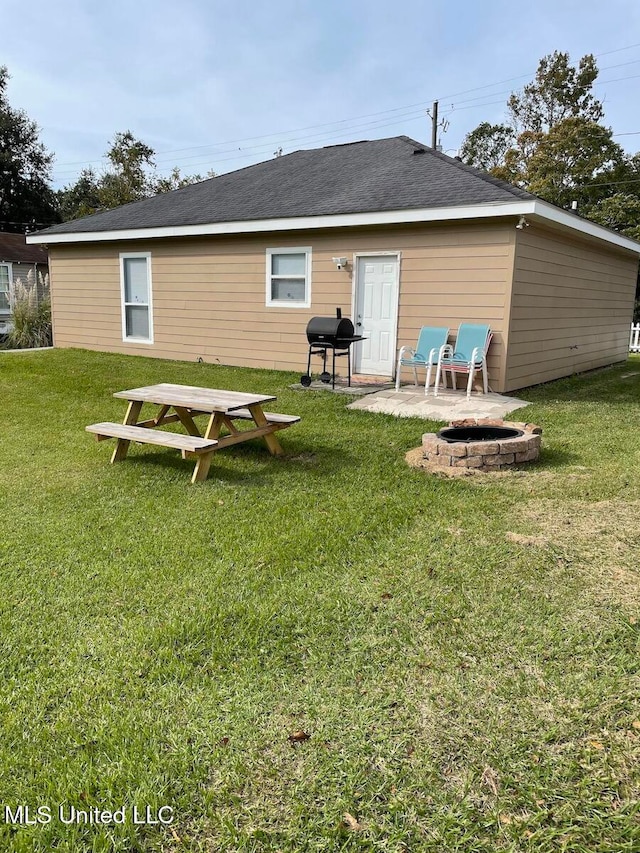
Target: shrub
(30,314)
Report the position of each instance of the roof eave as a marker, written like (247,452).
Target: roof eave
(552,215)
(531,207)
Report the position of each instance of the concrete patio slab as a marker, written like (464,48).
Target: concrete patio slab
(449,405)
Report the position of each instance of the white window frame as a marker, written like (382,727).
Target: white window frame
(127,339)
(282,303)
(5,312)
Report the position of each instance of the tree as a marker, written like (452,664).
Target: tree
(558,92)
(82,198)
(26,198)
(487,145)
(561,165)
(131,176)
(554,145)
(620,212)
(128,179)
(175,181)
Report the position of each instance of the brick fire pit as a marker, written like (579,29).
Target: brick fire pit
(493,454)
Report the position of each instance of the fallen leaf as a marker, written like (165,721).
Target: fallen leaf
(386,596)
(299,736)
(596,744)
(350,822)
(223,741)
(505,819)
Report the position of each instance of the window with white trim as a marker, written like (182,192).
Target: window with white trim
(137,320)
(289,277)
(5,288)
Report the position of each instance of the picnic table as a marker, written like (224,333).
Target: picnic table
(182,404)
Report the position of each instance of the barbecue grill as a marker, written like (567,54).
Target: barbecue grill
(330,333)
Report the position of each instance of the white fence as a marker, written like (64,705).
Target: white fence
(634,339)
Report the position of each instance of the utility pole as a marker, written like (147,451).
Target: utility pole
(434,126)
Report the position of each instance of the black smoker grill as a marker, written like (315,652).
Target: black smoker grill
(330,333)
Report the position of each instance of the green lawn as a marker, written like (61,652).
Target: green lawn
(463,654)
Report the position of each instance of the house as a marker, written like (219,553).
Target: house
(230,270)
(17,261)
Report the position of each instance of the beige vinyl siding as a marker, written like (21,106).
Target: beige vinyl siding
(209,292)
(572,304)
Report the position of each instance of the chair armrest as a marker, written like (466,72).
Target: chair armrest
(478,355)
(446,351)
(403,350)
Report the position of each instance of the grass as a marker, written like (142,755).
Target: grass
(462,655)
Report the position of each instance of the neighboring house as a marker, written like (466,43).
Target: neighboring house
(231,269)
(17,260)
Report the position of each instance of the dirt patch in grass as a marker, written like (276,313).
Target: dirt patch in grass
(520,539)
(600,537)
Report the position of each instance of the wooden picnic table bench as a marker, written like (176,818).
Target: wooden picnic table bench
(183,403)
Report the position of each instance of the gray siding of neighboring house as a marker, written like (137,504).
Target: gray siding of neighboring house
(20,271)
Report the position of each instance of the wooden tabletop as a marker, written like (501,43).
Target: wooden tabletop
(191,397)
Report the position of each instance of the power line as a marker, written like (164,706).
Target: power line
(348,123)
(617,79)
(248,152)
(618,50)
(252,151)
(609,183)
(276,134)
(620,65)
(266,147)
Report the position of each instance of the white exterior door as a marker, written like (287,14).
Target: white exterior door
(376,303)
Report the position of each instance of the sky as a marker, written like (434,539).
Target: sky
(214,85)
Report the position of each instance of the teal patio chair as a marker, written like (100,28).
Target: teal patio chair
(468,356)
(431,340)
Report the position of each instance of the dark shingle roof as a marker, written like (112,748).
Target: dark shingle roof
(14,250)
(360,177)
